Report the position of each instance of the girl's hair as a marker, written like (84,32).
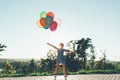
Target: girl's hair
(61,44)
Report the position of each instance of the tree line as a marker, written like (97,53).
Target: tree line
(83,59)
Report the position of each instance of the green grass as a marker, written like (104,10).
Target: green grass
(61,73)
(99,72)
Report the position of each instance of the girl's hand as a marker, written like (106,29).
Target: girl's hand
(48,43)
(52,45)
(72,51)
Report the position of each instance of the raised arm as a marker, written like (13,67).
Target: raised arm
(71,51)
(52,45)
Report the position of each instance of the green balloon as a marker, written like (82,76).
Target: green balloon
(43,14)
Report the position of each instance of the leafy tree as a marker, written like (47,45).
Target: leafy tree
(46,65)
(92,58)
(9,68)
(104,59)
(51,54)
(72,63)
(92,62)
(109,66)
(49,63)
(24,68)
(32,66)
(99,65)
(2,47)
(117,66)
(80,47)
(21,67)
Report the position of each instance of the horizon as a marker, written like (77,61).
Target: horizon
(29,59)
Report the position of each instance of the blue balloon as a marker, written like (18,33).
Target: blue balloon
(48,20)
(46,27)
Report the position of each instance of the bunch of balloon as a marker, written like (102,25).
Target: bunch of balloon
(47,21)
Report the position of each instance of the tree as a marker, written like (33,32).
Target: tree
(9,68)
(24,68)
(92,62)
(49,63)
(80,47)
(16,66)
(51,54)
(32,66)
(92,57)
(2,47)
(20,67)
(99,65)
(103,59)
(117,66)
(72,63)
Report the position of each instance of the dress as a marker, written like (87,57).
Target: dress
(60,58)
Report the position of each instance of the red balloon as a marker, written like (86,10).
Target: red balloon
(53,26)
(50,14)
(42,22)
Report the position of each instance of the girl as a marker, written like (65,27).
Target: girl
(60,58)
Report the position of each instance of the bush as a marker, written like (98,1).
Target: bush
(11,75)
(102,72)
(60,73)
(83,72)
(96,72)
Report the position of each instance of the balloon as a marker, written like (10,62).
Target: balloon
(49,20)
(46,27)
(38,24)
(53,26)
(59,21)
(43,14)
(42,22)
(50,14)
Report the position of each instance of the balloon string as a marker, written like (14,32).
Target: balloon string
(48,35)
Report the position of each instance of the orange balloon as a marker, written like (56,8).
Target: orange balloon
(38,24)
(42,22)
(50,14)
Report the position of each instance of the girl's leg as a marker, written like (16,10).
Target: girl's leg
(56,69)
(64,70)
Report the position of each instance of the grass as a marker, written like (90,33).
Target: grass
(61,73)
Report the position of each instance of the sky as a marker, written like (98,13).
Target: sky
(96,19)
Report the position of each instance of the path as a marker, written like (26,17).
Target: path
(70,77)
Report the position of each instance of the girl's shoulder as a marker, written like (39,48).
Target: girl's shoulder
(64,50)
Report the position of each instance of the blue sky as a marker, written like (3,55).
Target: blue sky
(96,19)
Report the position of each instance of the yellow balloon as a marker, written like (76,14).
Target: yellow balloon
(38,24)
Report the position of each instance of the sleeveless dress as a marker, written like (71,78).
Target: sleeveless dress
(60,57)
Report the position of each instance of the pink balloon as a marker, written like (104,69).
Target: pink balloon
(53,26)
